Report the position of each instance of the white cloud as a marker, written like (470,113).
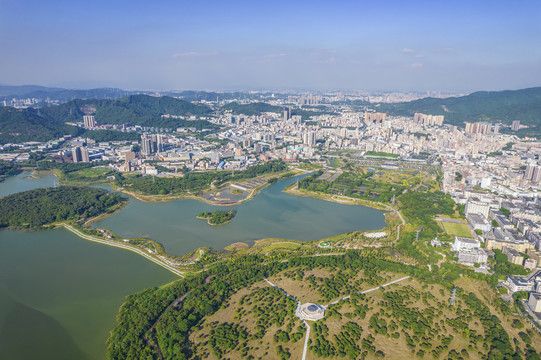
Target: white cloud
(193,54)
(416,65)
(408,51)
(270,56)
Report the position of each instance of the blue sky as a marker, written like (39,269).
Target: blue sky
(457,46)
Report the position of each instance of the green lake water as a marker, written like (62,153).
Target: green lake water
(59,294)
(271,214)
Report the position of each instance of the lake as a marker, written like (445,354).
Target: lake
(271,214)
(59,294)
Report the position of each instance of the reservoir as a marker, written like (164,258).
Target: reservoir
(60,294)
(271,214)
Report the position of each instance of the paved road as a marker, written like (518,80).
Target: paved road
(305,349)
(367,291)
(123,246)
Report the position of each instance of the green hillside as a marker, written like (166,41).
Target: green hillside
(30,210)
(504,106)
(50,122)
(30,125)
(141,110)
(42,92)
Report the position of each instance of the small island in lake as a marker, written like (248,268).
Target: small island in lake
(217,217)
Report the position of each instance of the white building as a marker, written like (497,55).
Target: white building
(515,284)
(472,256)
(465,244)
(477,207)
(535,302)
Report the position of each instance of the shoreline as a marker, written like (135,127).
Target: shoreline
(251,192)
(341,199)
(166,198)
(161,258)
(208,221)
(345,200)
(123,246)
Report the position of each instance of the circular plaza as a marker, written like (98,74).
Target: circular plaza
(310,311)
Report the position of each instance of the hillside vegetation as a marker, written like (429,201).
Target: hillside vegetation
(18,125)
(141,110)
(194,182)
(509,105)
(242,317)
(35,208)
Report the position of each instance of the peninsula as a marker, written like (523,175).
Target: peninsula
(40,208)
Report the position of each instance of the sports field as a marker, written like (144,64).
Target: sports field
(454,229)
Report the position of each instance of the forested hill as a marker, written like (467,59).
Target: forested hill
(18,125)
(42,92)
(505,106)
(141,110)
(35,208)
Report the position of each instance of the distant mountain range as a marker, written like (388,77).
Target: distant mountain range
(493,106)
(8,92)
(42,124)
(111,106)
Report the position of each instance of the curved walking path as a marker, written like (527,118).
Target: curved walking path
(305,349)
(307,337)
(123,246)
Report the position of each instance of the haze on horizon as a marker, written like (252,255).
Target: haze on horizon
(458,46)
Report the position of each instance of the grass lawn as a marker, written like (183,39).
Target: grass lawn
(87,175)
(453,229)
(281,246)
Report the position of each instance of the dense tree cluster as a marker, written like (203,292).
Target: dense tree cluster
(345,342)
(67,167)
(195,182)
(8,168)
(35,208)
(478,106)
(420,208)
(111,135)
(217,217)
(19,125)
(141,110)
(138,314)
(49,122)
(353,184)
(225,337)
(417,318)
(504,267)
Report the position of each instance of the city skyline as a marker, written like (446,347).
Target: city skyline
(418,46)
